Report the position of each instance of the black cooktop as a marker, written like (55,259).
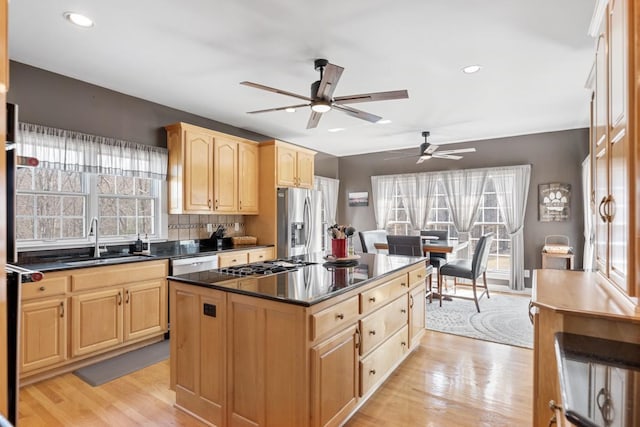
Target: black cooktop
(265,268)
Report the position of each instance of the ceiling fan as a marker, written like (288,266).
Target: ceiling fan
(322,100)
(428,151)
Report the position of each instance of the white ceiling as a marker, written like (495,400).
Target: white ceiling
(192,54)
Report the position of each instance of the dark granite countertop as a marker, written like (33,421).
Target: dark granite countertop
(308,285)
(67,259)
(598,380)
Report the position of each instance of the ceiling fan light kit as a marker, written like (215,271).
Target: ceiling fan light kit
(322,100)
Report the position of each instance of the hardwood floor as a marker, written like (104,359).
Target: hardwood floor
(448,381)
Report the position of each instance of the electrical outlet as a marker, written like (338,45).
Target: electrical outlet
(527,273)
(237,226)
(209,228)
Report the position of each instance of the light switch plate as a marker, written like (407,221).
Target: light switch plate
(237,226)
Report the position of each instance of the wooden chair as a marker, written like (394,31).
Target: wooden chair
(368,238)
(469,269)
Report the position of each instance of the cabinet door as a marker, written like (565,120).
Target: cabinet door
(619,151)
(334,378)
(248,178)
(417,315)
(600,155)
(198,172)
(43,333)
(233,258)
(96,321)
(305,170)
(145,312)
(225,175)
(286,167)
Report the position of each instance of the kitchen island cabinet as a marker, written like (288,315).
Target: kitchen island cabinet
(293,343)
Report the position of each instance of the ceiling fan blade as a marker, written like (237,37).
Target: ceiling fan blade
(314,118)
(422,159)
(358,113)
(374,96)
(278,109)
(330,76)
(457,151)
(446,156)
(274,90)
(430,149)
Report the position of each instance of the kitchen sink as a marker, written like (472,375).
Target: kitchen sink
(103,261)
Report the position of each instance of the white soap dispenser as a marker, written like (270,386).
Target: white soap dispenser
(146,245)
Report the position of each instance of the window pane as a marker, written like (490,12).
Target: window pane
(143,187)
(125,185)
(48,205)
(106,184)
(71,182)
(46,179)
(108,226)
(127,207)
(73,227)
(145,207)
(24,204)
(108,206)
(24,228)
(490,215)
(127,226)
(48,228)
(73,206)
(145,225)
(24,178)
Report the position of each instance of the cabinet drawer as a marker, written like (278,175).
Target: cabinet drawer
(377,327)
(233,258)
(46,287)
(417,276)
(259,255)
(375,366)
(381,295)
(101,277)
(339,315)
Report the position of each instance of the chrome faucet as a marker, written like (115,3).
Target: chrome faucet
(93,231)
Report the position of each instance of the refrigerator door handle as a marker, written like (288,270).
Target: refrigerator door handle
(308,223)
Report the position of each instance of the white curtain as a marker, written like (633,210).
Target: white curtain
(463,192)
(329,189)
(512,189)
(80,152)
(417,195)
(589,232)
(382,196)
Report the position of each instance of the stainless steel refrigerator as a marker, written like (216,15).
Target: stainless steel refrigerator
(300,222)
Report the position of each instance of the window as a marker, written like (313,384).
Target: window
(54,207)
(398,215)
(488,220)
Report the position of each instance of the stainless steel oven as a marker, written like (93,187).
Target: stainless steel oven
(193,264)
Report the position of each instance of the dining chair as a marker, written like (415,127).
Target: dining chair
(368,238)
(405,245)
(469,269)
(437,258)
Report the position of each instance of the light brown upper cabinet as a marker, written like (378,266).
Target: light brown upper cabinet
(294,166)
(211,172)
(614,127)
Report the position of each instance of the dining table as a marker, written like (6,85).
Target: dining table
(432,245)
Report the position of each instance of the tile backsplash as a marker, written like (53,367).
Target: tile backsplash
(184,227)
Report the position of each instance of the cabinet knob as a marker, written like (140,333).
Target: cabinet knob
(419,276)
(127,294)
(403,284)
(372,332)
(41,288)
(61,309)
(340,316)
(402,310)
(372,371)
(372,299)
(403,344)
(209,203)
(119,298)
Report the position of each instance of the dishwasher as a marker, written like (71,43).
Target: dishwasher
(193,264)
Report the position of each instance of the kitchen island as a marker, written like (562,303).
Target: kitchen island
(299,348)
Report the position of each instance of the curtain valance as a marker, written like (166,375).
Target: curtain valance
(79,152)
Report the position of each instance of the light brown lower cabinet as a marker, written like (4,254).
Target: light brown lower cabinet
(241,360)
(77,314)
(417,315)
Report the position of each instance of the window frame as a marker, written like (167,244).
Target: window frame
(89,182)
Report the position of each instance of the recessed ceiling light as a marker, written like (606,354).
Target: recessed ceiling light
(290,110)
(470,69)
(383,121)
(335,129)
(78,19)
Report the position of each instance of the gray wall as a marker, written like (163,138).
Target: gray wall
(553,156)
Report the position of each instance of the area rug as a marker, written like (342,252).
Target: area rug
(503,319)
(116,367)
